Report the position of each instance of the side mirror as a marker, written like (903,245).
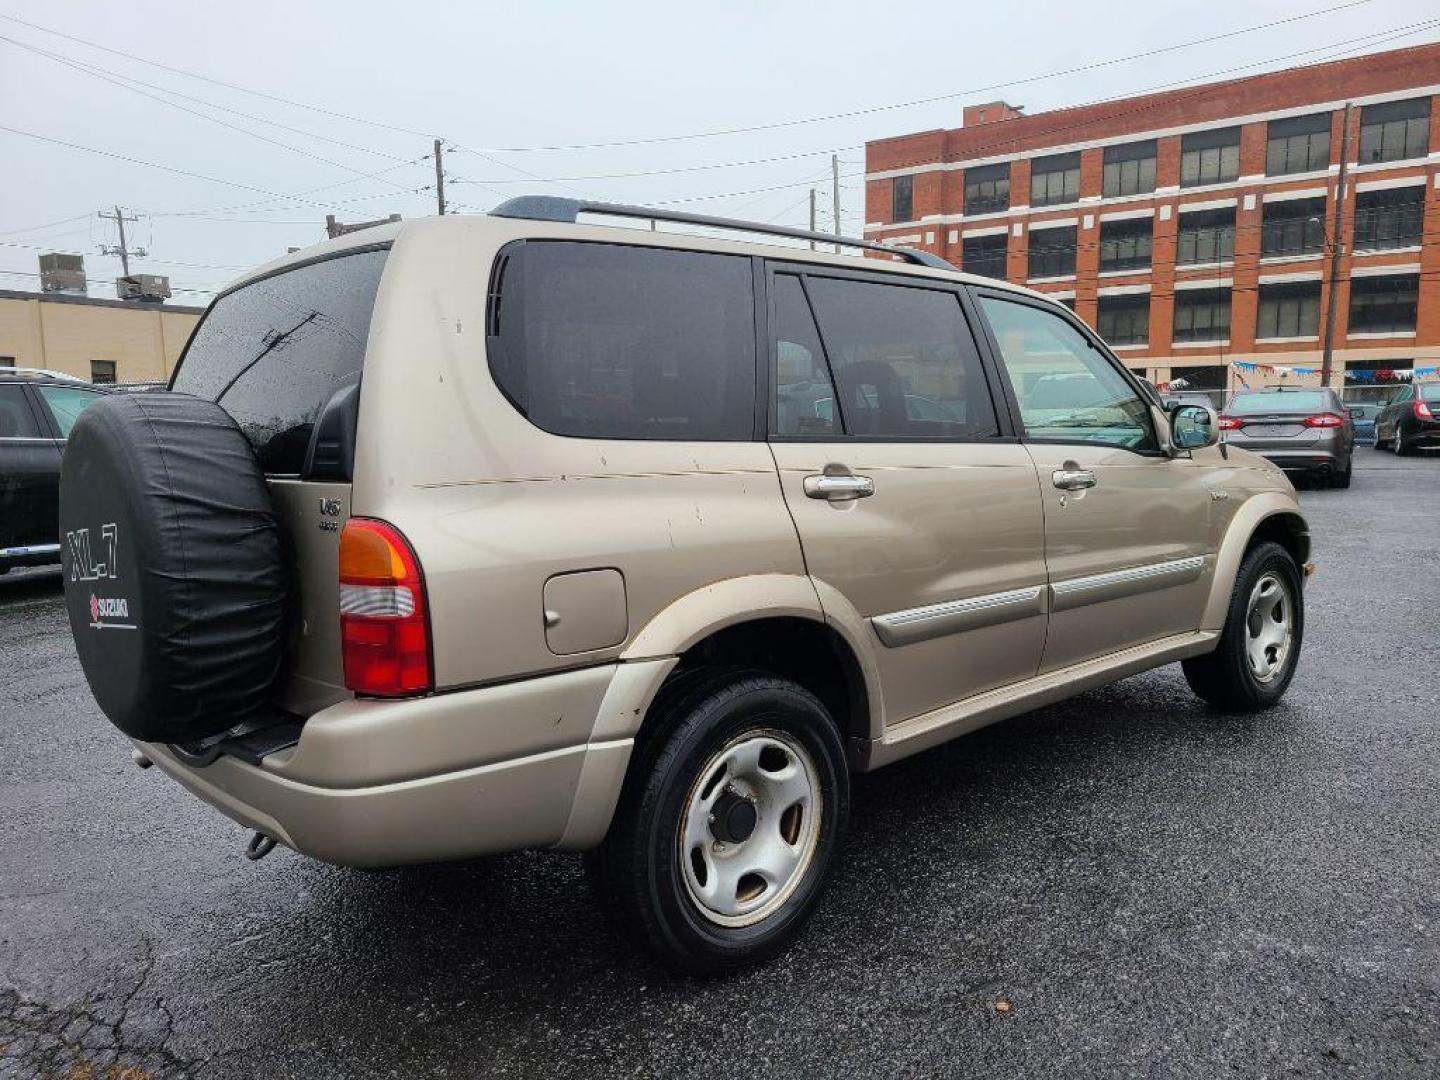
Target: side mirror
(1357,414)
(1194,427)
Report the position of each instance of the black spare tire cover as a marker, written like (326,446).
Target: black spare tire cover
(174,573)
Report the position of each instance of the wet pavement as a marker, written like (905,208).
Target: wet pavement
(1122,885)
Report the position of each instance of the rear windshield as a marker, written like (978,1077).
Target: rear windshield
(1306,401)
(274,352)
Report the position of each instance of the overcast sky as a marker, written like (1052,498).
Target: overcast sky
(496,77)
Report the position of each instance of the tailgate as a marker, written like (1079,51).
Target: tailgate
(1277,432)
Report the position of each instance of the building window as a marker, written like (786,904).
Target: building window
(984,255)
(1210,157)
(902,198)
(1068,301)
(1293,227)
(987,189)
(1052,252)
(1124,320)
(1389,218)
(1206,236)
(7,361)
(1297,144)
(1125,245)
(1055,179)
(1129,169)
(1202,315)
(1395,130)
(102,371)
(1384,305)
(1290,310)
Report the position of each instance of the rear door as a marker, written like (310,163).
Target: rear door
(911,497)
(1130,535)
(29,477)
(284,356)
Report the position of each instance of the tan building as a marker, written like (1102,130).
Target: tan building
(94,339)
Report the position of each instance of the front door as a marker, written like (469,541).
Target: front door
(1129,536)
(913,500)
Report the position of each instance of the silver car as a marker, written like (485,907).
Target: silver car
(1302,431)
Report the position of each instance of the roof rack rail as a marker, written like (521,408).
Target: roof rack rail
(560,208)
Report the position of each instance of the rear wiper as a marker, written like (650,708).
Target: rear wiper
(270,346)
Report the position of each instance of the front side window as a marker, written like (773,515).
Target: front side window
(1055,179)
(16,419)
(66,403)
(1202,315)
(985,255)
(1206,236)
(610,341)
(804,395)
(1129,169)
(905,364)
(1389,218)
(1210,157)
(1067,390)
(987,188)
(1384,305)
(1293,227)
(1052,252)
(1395,130)
(1297,144)
(1125,245)
(1124,320)
(902,198)
(1289,310)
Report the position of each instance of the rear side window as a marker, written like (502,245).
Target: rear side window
(272,353)
(608,341)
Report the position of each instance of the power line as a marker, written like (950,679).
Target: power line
(652,172)
(100,281)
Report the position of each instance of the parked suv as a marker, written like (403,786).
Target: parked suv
(474,534)
(37,409)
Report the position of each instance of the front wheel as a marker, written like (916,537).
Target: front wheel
(1254,661)
(733,811)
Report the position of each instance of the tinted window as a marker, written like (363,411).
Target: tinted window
(1052,252)
(1206,236)
(274,352)
(1209,157)
(985,254)
(1067,390)
(987,188)
(16,419)
(1125,245)
(1285,401)
(804,396)
(1130,168)
(902,195)
(904,361)
(1297,144)
(613,342)
(65,404)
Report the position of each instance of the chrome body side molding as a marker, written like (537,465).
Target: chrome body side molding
(33,549)
(955,616)
(1077,592)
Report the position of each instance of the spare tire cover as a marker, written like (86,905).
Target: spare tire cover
(175,578)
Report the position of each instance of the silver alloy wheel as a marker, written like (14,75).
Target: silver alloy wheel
(1269,627)
(750,827)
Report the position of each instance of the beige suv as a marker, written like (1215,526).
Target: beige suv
(475,534)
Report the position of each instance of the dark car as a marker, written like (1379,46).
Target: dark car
(37,410)
(1303,431)
(1364,415)
(1411,421)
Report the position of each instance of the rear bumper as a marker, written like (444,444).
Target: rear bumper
(1310,459)
(477,777)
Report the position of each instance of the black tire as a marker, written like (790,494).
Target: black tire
(174,573)
(1401,449)
(1224,678)
(637,871)
(1342,479)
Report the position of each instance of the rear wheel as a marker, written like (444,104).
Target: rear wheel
(729,820)
(1342,479)
(1402,449)
(1254,661)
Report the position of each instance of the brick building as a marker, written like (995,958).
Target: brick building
(1193,228)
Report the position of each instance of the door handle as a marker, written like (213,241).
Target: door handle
(839,488)
(1073,479)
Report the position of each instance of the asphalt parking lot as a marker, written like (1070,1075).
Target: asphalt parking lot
(1123,885)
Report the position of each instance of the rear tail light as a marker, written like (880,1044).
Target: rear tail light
(1228,423)
(1422,411)
(384,623)
(1325,420)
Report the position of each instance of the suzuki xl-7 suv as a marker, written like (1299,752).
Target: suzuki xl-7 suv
(474,534)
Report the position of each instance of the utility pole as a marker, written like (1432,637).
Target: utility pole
(440,177)
(812,216)
(1336,247)
(122,249)
(835,192)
